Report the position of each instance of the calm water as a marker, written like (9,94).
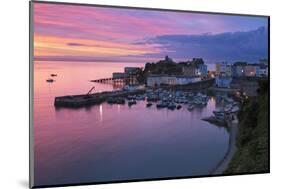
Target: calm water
(115,142)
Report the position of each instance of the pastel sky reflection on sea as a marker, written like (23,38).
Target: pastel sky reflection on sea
(115,142)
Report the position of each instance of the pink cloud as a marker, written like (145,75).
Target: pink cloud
(114,23)
(116,30)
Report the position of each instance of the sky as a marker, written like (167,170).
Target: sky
(98,34)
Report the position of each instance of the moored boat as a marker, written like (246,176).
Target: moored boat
(179,106)
(172,106)
(50,80)
(118,100)
(161,104)
(234,109)
(131,97)
(132,102)
(190,107)
(218,110)
(140,97)
(149,104)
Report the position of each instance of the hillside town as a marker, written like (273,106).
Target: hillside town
(237,75)
(165,72)
(226,73)
(176,81)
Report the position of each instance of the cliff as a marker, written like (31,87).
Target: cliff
(253,135)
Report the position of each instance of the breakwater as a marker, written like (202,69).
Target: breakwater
(75,101)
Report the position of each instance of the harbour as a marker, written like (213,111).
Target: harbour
(176,136)
(96,98)
(186,92)
(149,95)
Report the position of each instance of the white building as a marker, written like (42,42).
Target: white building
(157,80)
(131,70)
(117,75)
(223,82)
(223,69)
(263,71)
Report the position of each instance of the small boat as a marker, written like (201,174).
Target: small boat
(132,102)
(120,100)
(219,113)
(190,107)
(140,97)
(172,106)
(50,80)
(204,96)
(190,94)
(202,104)
(152,99)
(229,100)
(197,102)
(131,97)
(185,101)
(112,100)
(54,75)
(220,116)
(179,107)
(218,110)
(161,104)
(228,108)
(148,104)
(234,109)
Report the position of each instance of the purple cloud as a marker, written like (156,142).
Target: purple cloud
(76,44)
(231,46)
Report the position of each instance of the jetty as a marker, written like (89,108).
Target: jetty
(114,80)
(76,101)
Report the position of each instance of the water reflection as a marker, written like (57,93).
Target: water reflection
(101,112)
(104,142)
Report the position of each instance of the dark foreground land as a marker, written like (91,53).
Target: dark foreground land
(253,135)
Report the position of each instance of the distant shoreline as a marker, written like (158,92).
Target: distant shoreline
(211,66)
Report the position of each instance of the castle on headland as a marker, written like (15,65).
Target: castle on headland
(168,72)
(165,72)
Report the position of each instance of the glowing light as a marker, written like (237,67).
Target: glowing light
(101,112)
(46,45)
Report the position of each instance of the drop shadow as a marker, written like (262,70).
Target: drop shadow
(24,183)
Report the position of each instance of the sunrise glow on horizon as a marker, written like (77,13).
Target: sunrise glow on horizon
(85,33)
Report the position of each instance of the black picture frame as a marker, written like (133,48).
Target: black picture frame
(31,48)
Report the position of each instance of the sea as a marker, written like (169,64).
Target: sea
(105,143)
